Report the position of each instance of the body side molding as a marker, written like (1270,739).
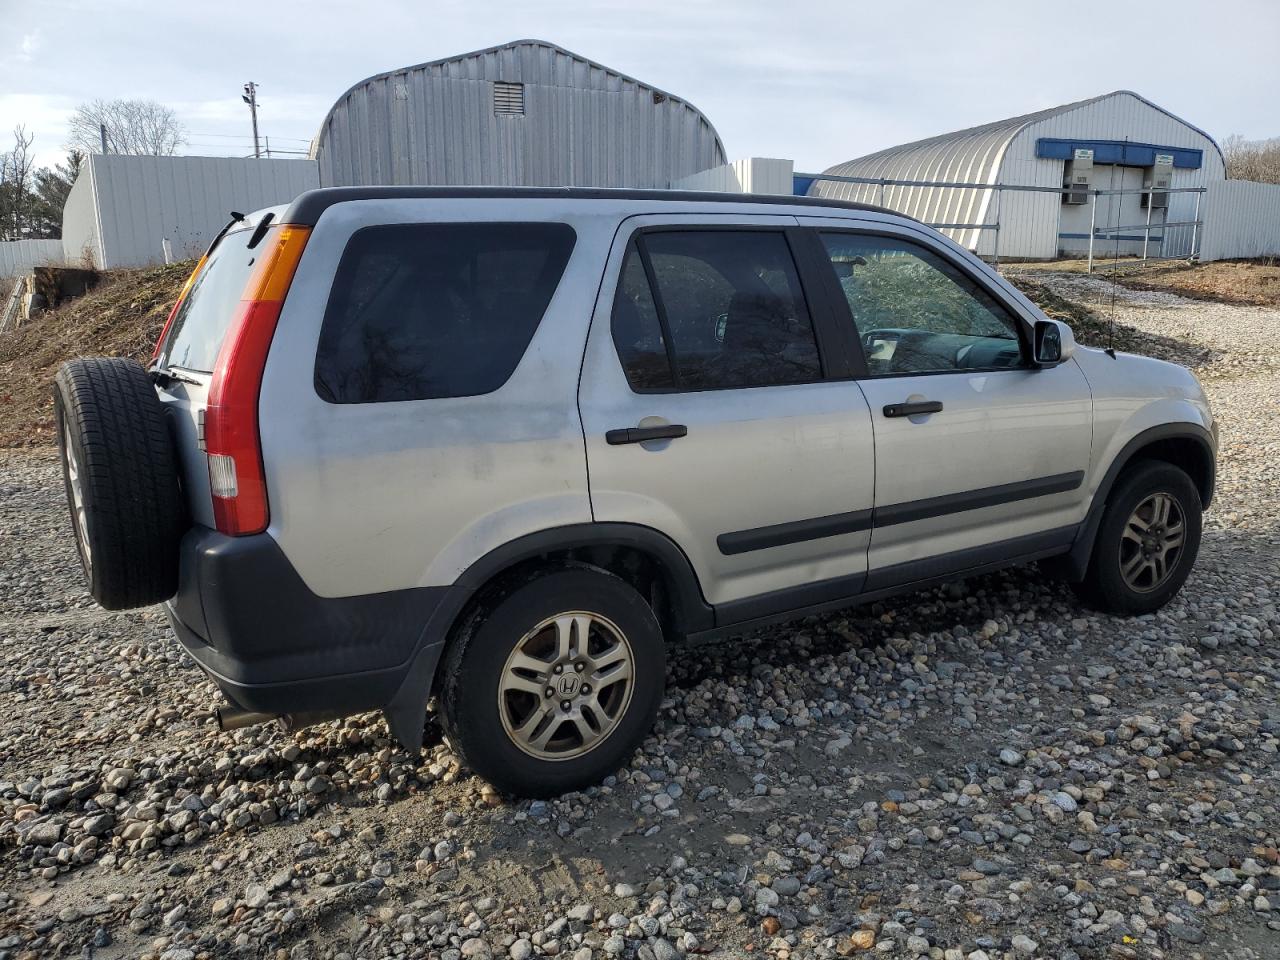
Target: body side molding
(798,531)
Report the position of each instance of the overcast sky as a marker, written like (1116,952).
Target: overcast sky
(815,81)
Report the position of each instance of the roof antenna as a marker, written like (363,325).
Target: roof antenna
(1110,350)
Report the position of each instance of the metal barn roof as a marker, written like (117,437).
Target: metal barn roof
(525,113)
(972,155)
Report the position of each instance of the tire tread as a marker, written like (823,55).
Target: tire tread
(129,478)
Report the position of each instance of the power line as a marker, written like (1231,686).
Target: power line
(244,139)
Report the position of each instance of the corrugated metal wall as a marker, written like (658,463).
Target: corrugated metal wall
(583,125)
(1005,152)
(1242,219)
(19,256)
(135,203)
(968,156)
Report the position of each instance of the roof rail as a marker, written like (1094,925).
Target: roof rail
(307,208)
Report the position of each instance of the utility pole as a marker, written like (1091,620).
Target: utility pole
(250,97)
(102,132)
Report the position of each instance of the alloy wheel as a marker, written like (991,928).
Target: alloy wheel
(566,686)
(79,520)
(1152,542)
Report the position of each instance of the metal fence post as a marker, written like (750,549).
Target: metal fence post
(996,250)
(1146,236)
(1195,229)
(1093,214)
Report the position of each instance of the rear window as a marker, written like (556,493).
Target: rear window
(424,311)
(202,320)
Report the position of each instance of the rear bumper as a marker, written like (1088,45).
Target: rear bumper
(245,615)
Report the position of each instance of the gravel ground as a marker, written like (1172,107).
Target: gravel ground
(981,771)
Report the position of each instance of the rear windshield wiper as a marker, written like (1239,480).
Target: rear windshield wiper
(167,375)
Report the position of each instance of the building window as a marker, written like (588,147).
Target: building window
(508,99)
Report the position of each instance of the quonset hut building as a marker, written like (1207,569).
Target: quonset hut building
(526,113)
(1116,141)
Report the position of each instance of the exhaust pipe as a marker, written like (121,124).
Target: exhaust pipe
(233,718)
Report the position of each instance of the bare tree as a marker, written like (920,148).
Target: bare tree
(1257,160)
(15,185)
(142,127)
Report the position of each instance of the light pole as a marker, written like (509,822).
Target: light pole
(250,97)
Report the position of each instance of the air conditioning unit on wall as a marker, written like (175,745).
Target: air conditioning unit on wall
(1159,178)
(1077,176)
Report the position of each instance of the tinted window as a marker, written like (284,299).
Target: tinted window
(421,311)
(727,303)
(637,332)
(917,313)
(202,319)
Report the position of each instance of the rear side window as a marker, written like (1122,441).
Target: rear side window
(424,311)
(713,310)
(202,319)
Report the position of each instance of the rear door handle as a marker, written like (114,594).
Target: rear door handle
(911,409)
(668,431)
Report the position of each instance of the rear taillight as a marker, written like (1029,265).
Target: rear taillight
(236,478)
(186,288)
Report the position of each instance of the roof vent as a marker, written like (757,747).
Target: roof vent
(508,99)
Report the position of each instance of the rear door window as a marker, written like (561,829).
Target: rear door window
(724,310)
(424,311)
(201,322)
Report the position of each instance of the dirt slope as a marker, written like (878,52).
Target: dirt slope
(121,317)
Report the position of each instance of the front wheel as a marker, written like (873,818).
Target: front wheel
(1147,542)
(553,687)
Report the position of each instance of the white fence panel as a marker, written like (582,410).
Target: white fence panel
(19,256)
(753,175)
(1241,219)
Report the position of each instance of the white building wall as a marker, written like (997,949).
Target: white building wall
(81,232)
(19,256)
(1242,219)
(752,175)
(133,204)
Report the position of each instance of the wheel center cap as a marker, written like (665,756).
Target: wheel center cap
(567,684)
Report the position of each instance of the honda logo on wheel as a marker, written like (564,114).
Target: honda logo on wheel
(568,685)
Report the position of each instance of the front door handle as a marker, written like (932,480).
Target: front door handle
(667,431)
(911,408)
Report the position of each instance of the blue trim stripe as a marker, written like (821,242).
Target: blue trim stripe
(1123,152)
(800,185)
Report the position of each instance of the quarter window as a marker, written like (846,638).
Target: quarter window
(422,311)
(917,313)
(713,310)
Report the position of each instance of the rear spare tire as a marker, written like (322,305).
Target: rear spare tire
(121,480)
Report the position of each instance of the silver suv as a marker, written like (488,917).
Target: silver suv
(504,447)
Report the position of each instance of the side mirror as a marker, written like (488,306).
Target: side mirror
(1053,343)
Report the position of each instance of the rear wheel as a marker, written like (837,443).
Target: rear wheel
(121,480)
(1147,542)
(551,688)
